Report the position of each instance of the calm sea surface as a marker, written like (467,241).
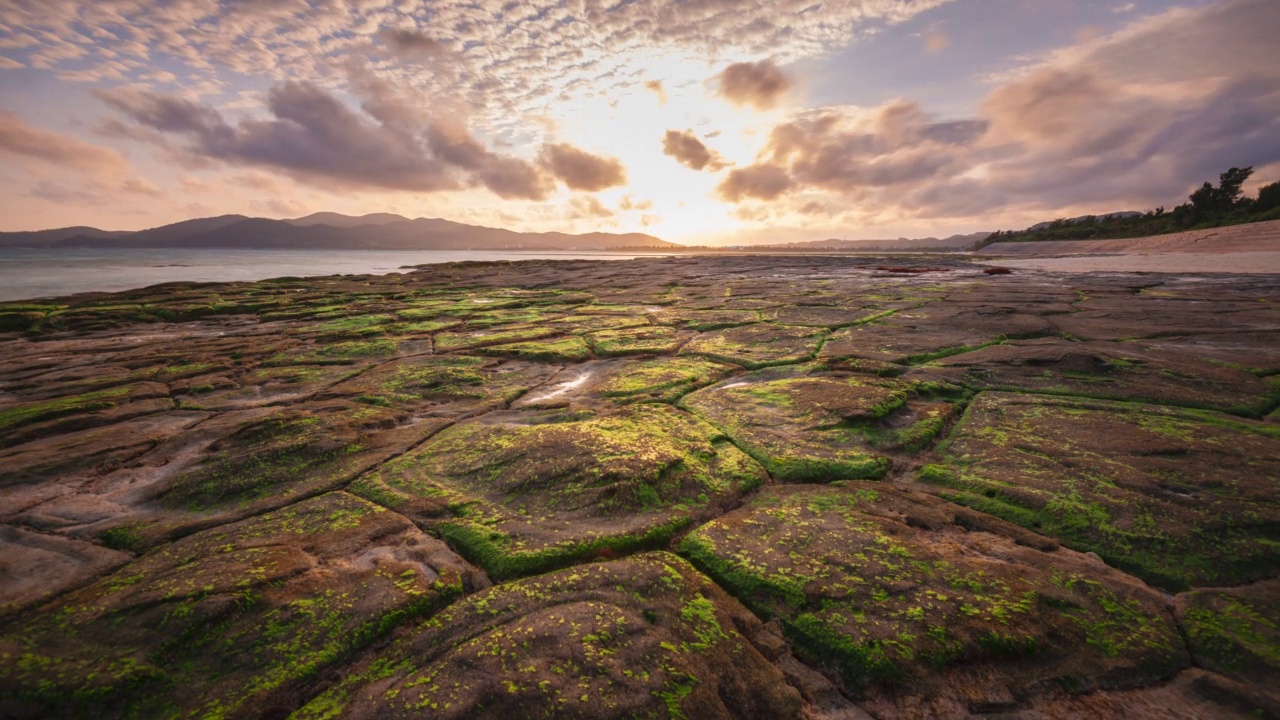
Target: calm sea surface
(32,273)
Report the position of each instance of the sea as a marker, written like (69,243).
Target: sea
(28,273)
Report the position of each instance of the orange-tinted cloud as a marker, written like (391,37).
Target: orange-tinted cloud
(580,170)
(760,182)
(689,151)
(758,84)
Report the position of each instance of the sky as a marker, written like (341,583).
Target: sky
(697,121)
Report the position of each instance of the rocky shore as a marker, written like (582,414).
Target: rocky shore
(700,487)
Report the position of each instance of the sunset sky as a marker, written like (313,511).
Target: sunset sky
(698,121)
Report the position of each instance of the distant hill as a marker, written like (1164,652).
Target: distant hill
(347,221)
(330,231)
(45,238)
(947,244)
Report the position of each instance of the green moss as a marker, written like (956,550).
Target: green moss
(124,537)
(500,555)
(1234,634)
(661,378)
(342,353)
(634,341)
(30,413)
(570,349)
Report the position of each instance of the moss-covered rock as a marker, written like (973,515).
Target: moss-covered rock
(232,620)
(525,492)
(1120,371)
(757,346)
(883,588)
(1235,631)
(815,427)
(1178,497)
(643,637)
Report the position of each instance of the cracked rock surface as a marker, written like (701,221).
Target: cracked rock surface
(698,487)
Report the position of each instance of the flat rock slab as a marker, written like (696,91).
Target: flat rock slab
(1119,371)
(442,385)
(804,424)
(933,330)
(643,637)
(757,346)
(35,566)
(1179,498)
(528,491)
(232,620)
(26,421)
(884,589)
(1236,632)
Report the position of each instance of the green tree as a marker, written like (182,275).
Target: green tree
(1268,198)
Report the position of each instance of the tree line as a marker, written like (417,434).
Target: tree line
(1209,206)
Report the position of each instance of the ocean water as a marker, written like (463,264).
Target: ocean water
(34,273)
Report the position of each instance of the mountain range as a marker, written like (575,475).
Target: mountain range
(327,230)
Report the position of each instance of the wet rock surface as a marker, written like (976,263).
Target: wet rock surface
(669,487)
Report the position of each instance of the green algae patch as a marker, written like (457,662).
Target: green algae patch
(356,325)
(444,385)
(885,589)
(466,339)
(569,349)
(28,413)
(637,638)
(661,379)
(288,455)
(758,346)
(25,421)
(231,619)
(1107,370)
(706,320)
(337,353)
(1180,498)
(525,492)
(1235,631)
(648,340)
(811,427)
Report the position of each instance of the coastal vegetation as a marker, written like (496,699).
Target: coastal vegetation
(1209,206)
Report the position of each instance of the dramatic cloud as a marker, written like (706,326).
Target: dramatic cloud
(759,84)
(1122,119)
(689,151)
(761,182)
(580,170)
(313,134)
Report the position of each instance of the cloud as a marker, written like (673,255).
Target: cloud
(580,170)
(1129,120)
(412,43)
(758,84)
(655,86)
(19,138)
(311,134)
(760,182)
(689,151)
(587,207)
(101,171)
(507,59)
